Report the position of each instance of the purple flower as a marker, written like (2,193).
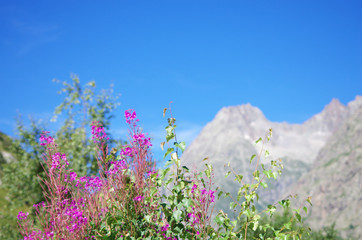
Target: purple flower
(130,115)
(98,132)
(46,140)
(22,216)
(164,228)
(127,152)
(193,188)
(138,198)
(73,176)
(211,194)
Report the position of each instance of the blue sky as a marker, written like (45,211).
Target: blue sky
(289,58)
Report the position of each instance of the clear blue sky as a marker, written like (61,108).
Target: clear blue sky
(289,58)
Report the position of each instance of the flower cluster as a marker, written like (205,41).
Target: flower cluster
(142,140)
(204,194)
(77,220)
(130,115)
(164,229)
(127,151)
(46,140)
(116,167)
(91,184)
(35,235)
(78,206)
(71,212)
(98,132)
(203,199)
(22,216)
(56,161)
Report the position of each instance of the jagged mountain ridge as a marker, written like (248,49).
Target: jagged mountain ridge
(231,135)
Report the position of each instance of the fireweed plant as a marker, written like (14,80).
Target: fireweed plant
(124,200)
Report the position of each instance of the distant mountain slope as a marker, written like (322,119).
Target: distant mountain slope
(335,180)
(231,135)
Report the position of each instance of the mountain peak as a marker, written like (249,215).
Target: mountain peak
(330,118)
(333,105)
(355,104)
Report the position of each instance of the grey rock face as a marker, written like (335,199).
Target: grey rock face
(335,180)
(230,137)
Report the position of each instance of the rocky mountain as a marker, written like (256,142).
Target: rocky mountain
(230,137)
(335,180)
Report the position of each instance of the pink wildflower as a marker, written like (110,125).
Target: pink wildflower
(46,140)
(138,198)
(130,115)
(22,216)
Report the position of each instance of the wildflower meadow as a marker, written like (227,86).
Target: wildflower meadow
(124,199)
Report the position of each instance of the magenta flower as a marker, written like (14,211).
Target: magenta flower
(164,228)
(127,152)
(98,133)
(193,188)
(41,204)
(45,140)
(130,115)
(116,167)
(211,194)
(73,176)
(138,198)
(151,173)
(22,216)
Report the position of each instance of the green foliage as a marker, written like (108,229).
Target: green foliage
(281,220)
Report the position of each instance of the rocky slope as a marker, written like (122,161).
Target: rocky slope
(231,135)
(335,180)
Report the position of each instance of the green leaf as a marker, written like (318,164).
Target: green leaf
(181,145)
(234,223)
(256,142)
(305,209)
(208,170)
(233,205)
(309,199)
(266,153)
(186,168)
(267,173)
(298,217)
(288,225)
(252,157)
(239,178)
(255,225)
(186,202)
(219,220)
(169,150)
(170,136)
(177,215)
(227,174)
(219,194)
(169,129)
